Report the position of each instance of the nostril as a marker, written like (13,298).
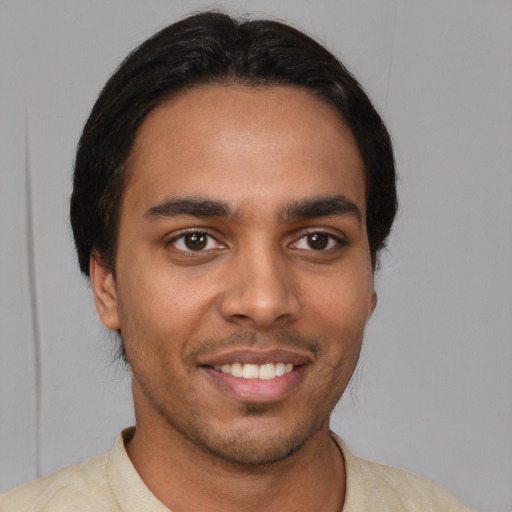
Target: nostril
(259,304)
(240,317)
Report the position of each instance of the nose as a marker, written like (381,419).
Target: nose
(261,294)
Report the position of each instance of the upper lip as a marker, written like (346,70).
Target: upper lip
(251,356)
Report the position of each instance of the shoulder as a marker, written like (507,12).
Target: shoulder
(373,486)
(76,488)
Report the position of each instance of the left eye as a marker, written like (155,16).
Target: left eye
(317,242)
(195,242)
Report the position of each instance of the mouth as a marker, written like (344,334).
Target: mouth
(266,371)
(257,377)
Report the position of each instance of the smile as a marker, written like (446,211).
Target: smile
(256,376)
(265,371)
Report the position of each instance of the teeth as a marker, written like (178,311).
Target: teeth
(280,369)
(250,371)
(265,371)
(236,369)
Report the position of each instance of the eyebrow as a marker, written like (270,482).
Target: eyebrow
(324,206)
(195,207)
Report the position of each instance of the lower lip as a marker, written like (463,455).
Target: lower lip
(257,390)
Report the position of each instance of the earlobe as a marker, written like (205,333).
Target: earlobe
(373,305)
(105,296)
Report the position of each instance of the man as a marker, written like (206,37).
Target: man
(233,187)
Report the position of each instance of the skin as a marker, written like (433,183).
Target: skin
(260,278)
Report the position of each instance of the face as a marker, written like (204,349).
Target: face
(243,277)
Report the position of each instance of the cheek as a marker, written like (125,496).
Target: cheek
(342,300)
(159,311)
(339,309)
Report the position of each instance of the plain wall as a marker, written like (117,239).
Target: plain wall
(433,391)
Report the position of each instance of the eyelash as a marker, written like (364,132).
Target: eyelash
(189,233)
(331,239)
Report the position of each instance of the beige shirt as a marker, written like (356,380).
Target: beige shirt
(110,483)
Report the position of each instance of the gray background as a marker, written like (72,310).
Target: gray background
(433,392)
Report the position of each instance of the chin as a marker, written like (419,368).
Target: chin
(251,452)
(253,443)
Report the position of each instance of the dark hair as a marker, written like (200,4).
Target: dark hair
(214,48)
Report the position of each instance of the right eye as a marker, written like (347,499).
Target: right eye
(195,241)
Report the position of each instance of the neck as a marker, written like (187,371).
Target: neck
(187,478)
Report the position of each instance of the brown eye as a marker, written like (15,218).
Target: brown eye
(195,241)
(318,241)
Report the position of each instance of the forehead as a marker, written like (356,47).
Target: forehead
(271,143)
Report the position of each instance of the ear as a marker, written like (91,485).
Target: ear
(373,305)
(105,296)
